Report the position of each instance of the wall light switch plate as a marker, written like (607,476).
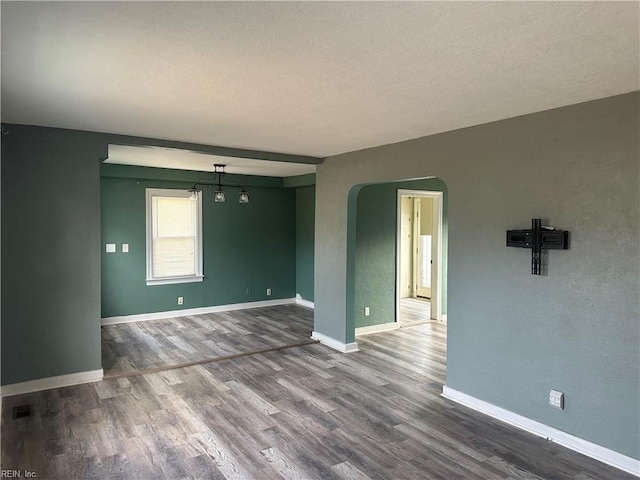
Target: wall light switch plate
(125,248)
(556,399)
(111,248)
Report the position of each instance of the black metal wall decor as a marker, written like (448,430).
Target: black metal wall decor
(537,239)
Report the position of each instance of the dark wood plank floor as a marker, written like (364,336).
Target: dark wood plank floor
(301,413)
(153,344)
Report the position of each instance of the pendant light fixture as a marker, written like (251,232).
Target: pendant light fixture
(243,196)
(218,195)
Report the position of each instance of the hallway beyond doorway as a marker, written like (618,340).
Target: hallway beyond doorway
(414,311)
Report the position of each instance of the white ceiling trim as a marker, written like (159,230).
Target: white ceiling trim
(160,157)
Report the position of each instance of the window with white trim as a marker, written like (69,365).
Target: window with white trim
(174,236)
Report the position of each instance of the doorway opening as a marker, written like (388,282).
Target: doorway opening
(419,257)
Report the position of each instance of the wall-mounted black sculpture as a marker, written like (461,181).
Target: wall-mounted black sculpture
(537,239)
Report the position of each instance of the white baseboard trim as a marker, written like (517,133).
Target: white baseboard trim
(304,303)
(443,317)
(383,327)
(602,454)
(335,344)
(195,311)
(52,382)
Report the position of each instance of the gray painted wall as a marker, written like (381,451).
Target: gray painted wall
(50,253)
(512,336)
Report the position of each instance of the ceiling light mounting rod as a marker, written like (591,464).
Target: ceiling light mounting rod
(218,195)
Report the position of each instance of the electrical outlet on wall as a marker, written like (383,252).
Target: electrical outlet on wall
(367,311)
(180,300)
(268,291)
(556,399)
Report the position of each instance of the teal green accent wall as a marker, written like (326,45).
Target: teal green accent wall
(375,243)
(248,247)
(305,232)
(350,290)
(300,180)
(50,252)
(51,245)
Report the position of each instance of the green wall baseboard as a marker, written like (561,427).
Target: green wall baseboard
(304,302)
(48,383)
(380,327)
(335,344)
(196,311)
(602,454)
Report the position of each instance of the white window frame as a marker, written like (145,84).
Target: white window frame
(165,192)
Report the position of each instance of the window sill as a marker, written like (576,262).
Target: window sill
(170,280)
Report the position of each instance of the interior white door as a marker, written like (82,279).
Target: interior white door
(424,247)
(406,242)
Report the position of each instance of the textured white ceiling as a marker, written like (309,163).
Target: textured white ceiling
(311,78)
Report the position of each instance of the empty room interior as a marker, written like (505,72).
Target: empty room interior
(320,240)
